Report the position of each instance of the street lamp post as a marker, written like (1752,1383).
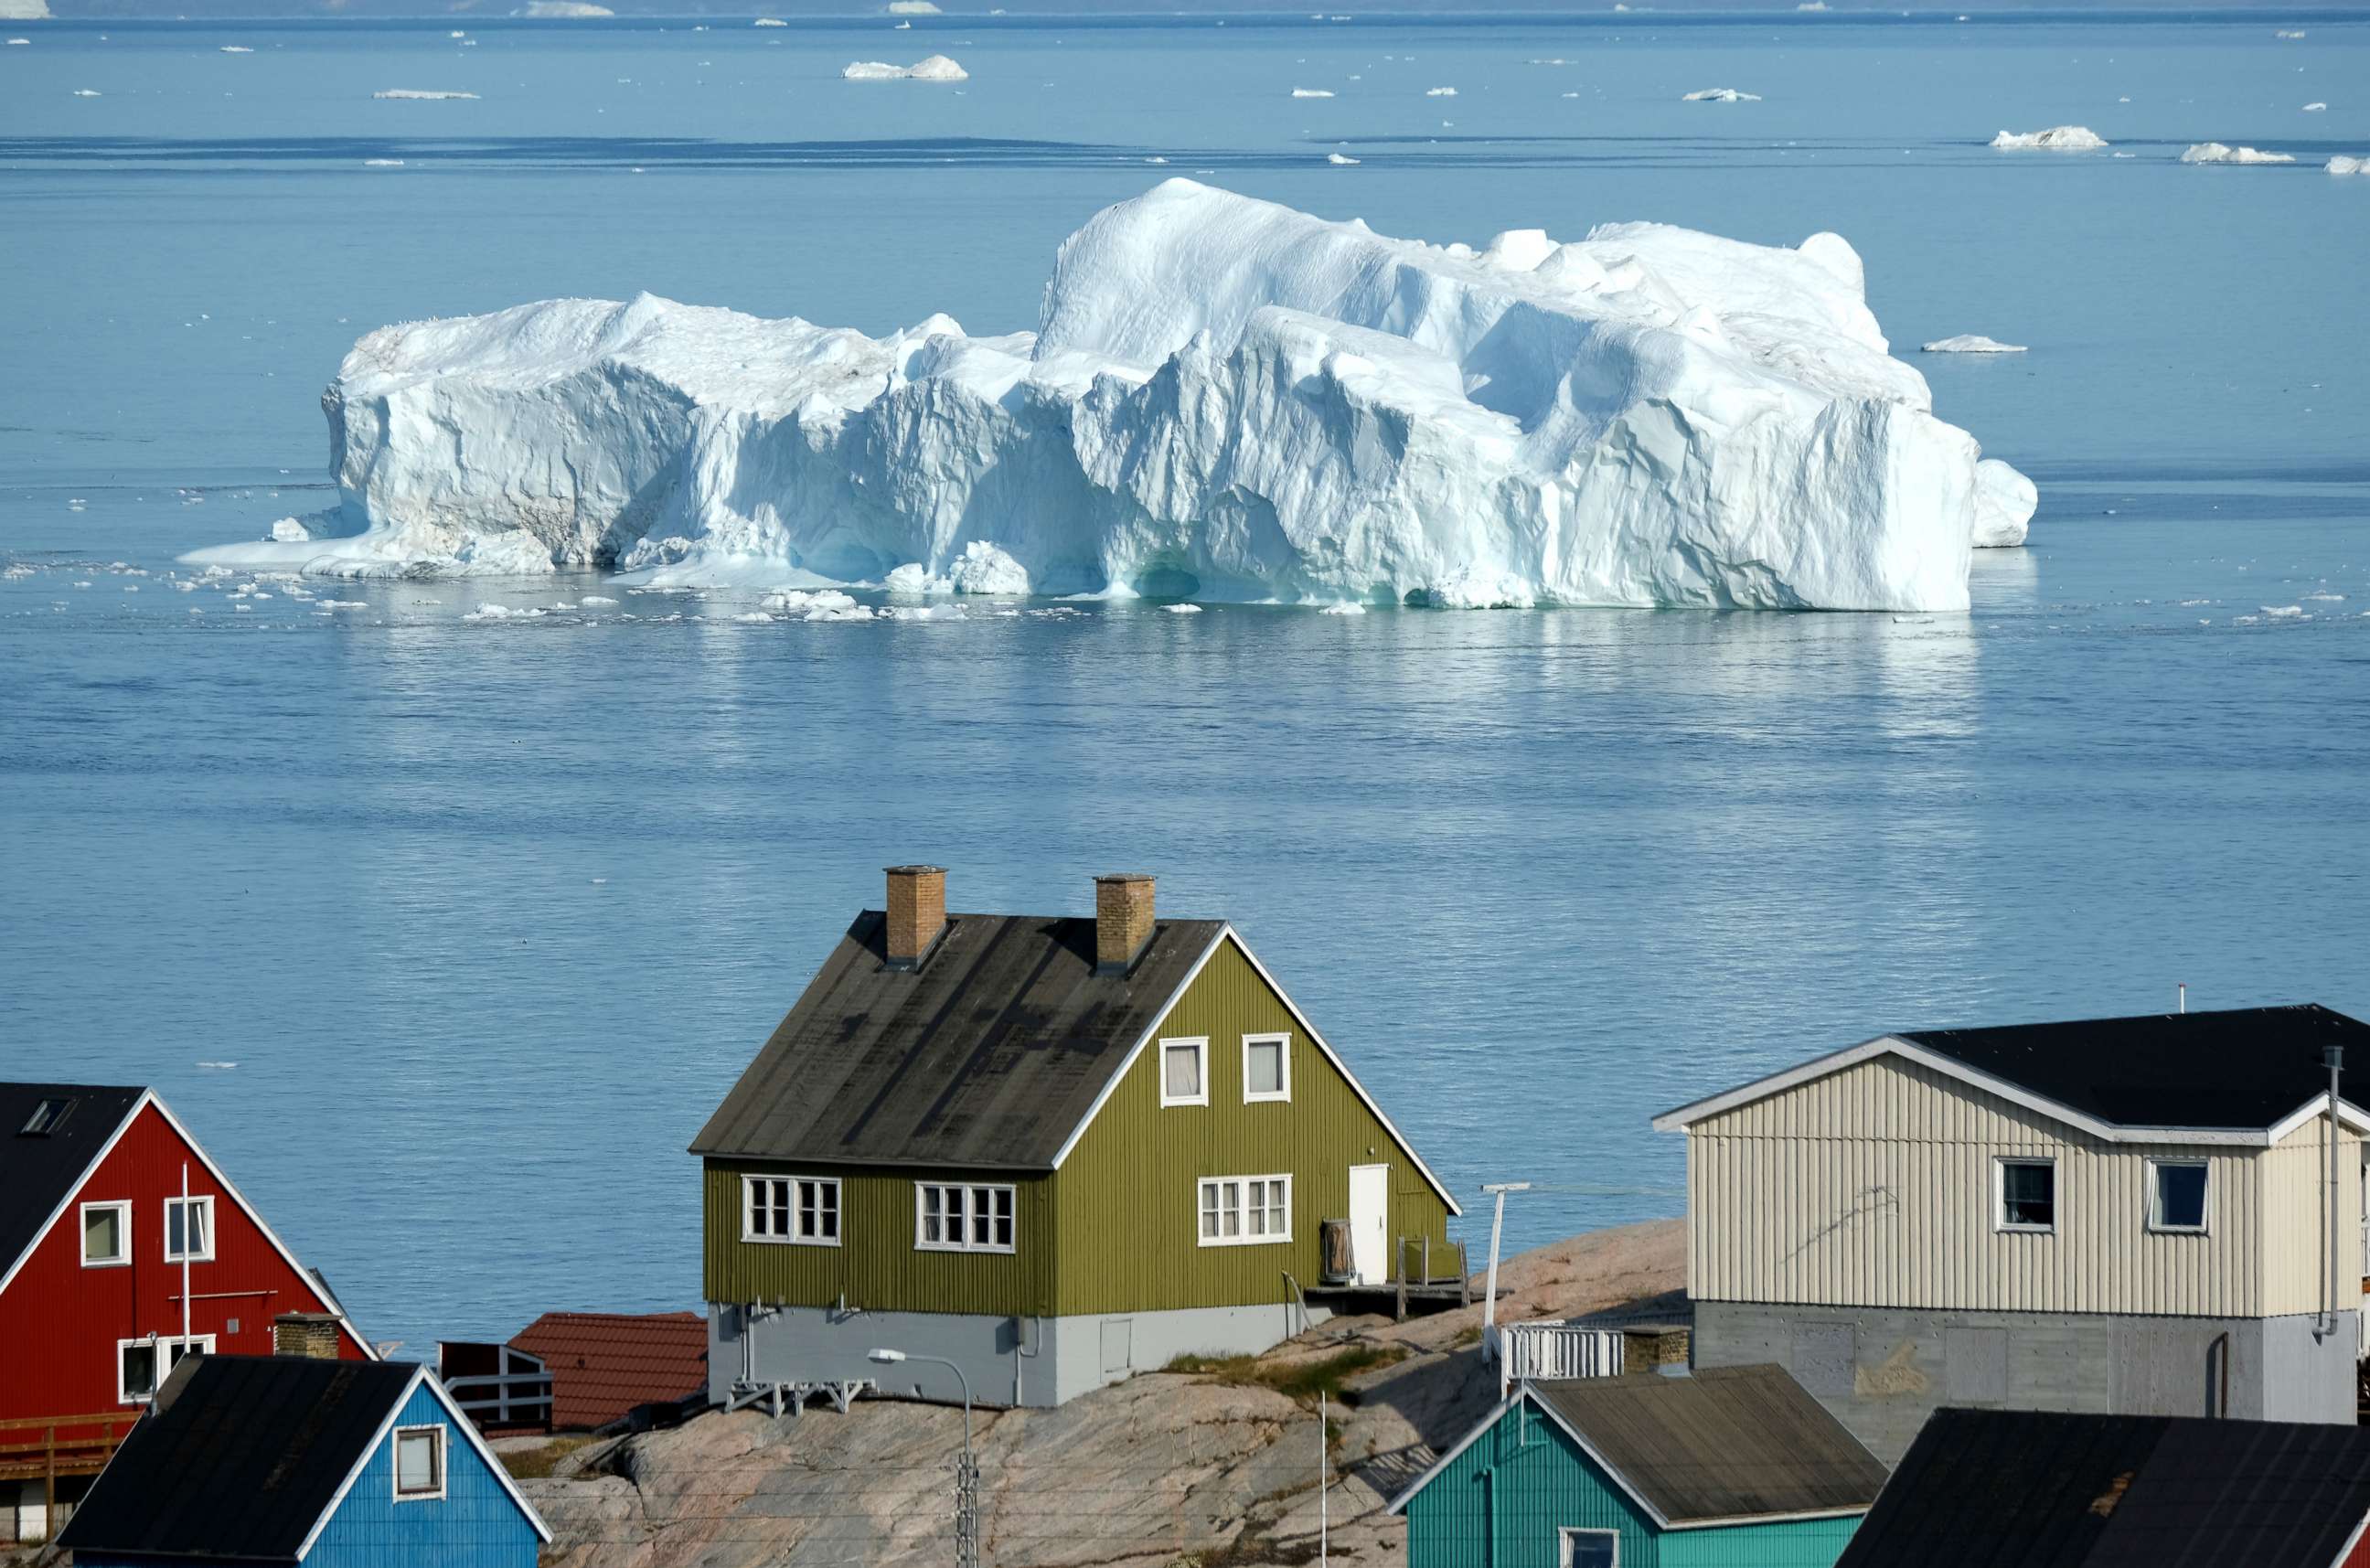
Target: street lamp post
(967,1478)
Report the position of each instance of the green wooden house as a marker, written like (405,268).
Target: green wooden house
(1735,1467)
(1052,1151)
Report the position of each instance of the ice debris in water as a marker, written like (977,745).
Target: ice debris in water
(1225,399)
(236,49)
(1970,343)
(287,529)
(589,600)
(427,95)
(1312,92)
(1341,160)
(85,92)
(1718,95)
(2316,108)
(1342,607)
(1182,609)
(2217,153)
(2056,138)
(769,22)
(1439,92)
(2340,164)
(936,68)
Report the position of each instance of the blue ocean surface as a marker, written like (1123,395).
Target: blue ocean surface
(488,911)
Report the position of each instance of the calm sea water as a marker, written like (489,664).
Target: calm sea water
(489,914)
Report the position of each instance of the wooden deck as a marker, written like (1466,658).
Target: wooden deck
(1421,1286)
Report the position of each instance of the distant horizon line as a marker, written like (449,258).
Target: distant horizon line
(1095,11)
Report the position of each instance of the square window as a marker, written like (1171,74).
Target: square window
(1266,1067)
(188,1231)
(2028,1194)
(106,1235)
(1590,1549)
(1184,1072)
(2177,1195)
(46,1117)
(418,1462)
(137,1371)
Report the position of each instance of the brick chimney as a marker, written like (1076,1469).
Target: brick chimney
(917,912)
(1122,921)
(313,1334)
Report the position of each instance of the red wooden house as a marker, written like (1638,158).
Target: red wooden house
(123,1247)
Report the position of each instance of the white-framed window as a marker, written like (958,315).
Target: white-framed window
(1242,1211)
(963,1216)
(2025,1195)
(190,1231)
(798,1210)
(1185,1072)
(1266,1067)
(418,1463)
(1589,1549)
(2179,1191)
(141,1364)
(107,1234)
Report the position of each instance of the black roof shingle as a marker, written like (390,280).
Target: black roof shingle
(38,1171)
(1989,1488)
(238,1458)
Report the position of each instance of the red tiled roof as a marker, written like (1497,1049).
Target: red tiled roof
(603,1365)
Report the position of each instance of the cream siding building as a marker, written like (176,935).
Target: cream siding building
(2129,1216)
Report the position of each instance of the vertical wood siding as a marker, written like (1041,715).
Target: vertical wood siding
(1504,1501)
(877,1266)
(1792,1543)
(1126,1197)
(60,1322)
(1873,1186)
(473,1525)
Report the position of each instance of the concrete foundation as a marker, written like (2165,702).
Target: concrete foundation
(1883,1370)
(1037,1361)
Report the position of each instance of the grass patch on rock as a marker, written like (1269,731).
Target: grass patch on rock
(1301,1380)
(537,1463)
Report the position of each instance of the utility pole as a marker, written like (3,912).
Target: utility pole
(1497,1229)
(1323,1481)
(966,1469)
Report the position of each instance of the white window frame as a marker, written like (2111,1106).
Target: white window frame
(750,1206)
(970,1190)
(1999,1194)
(1564,1539)
(1284,1057)
(1201,1046)
(203,1202)
(444,1457)
(163,1344)
(2205,1226)
(122,1259)
(1201,1187)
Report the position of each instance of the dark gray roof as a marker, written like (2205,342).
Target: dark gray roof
(39,1171)
(990,1055)
(2243,1067)
(1730,1442)
(239,1457)
(1995,1488)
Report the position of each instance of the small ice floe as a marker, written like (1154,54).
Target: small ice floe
(425,94)
(85,92)
(589,600)
(755,617)
(822,605)
(1718,95)
(936,68)
(2316,108)
(2325,598)
(1339,160)
(492,612)
(218,1067)
(923,612)
(902,26)
(2056,138)
(456,33)
(2289,33)
(1182,609)
(914,9)
(1970,344)
(769,22)
(290,531)
(382,162)
(1439,92)
(236,49)
(1312,92)
(19,42)
(548,10)
(2218,152)
(2284,612)
(1155,160)
(1811,6)
(1343,608)
(2340,164)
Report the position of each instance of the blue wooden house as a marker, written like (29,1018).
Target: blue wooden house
(1733,1467)
(253,1459)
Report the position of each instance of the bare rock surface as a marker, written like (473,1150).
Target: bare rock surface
(1215,1468)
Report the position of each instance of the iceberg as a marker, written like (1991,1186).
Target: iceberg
(1224,399)
(2056,138)
(2340,164)
(1970,343)
(914,9)
(24,10)
(2217,153)
(2004,505)
(1312,92)
(1718,95)
(936,68)
(570,9)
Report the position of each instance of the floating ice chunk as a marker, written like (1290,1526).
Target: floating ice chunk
(2056,138)
(1182,609)
(2289,33)
(382,162)
(562,9)
(218,1067)
(936,68)
(914,9)
(1342,607)
(2005,500)
(983,568)
(1718,95)
(2316,108)
(19,42)
(755,617)
(1340,159)
(2340,164)
(1439,92)
(2283,612)
(769,22)
(923,612)
(1312,92)
(289,528)
(423,94)
(2217,153)
(236,49)
(914,578)
(589,599)
(85,92)
(1970,343)
(1811,6)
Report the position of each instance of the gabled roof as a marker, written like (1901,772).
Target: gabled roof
(2242,1075)
(246,1457)
(994,1053)
(1729,1444)
(1980,1487)
(39,1173)
(605,1366)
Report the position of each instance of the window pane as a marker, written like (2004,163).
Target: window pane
(979,1216)
(102,1234)
(829,1212)
(174,1210)
(199,1242)
(1209,1208)
(1230,1208)
(2181,1195)
(1183,1072)
(415,1461)
(1264,1070)
(1589,1549)
(2028,1192)
(139,1370)
(1277,1224)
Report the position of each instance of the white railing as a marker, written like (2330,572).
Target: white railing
(518,1398)
(1551,1352)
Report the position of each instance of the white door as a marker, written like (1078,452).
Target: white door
(1370,1204)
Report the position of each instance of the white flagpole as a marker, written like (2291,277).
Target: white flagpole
(185,1263)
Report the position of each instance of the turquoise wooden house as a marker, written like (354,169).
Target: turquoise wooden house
(246,1460)
(1732,1468)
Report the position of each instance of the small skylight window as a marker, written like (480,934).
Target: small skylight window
(46,1117)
